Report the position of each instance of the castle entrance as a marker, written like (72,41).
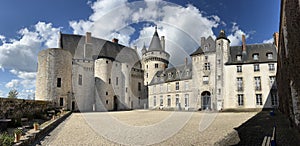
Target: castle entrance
(206,100)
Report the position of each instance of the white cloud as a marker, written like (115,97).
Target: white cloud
(236,35)
(13,84)
(269,41)
(26,79)
(21,53)
(182,26)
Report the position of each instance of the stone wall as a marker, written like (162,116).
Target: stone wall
(288,77)
(18,108)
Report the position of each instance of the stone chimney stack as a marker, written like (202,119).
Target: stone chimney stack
(185,61)
(202,40)
(114,40)
(276,39)
(244,43)
(88,37)
(162,41)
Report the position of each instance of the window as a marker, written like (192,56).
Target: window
(147,75)
(219,77)
(272,81)
(206,57)
(106,101)
(219,61)
(186,100)
(258,99)
(147,66)
(239,83)
(126,89)
(80,80)
(206,66)
(168,87)
(109,81)
(58,84)
(186,85)
(139,86)
(240,99)
(169,100)
(156,65)
(106,62)
(205,79)
(239,58)
(117,81)
(154,101)
(177,85)
(256,67)
(219,91)
(139,100)
(274,98)
(239,68)
(161,101)
(177,100)
(271,67)
(257,83)
(106,93)
(61,101)
(270,55)
(255,56)
(187,72)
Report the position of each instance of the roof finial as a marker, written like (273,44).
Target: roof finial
(156,28)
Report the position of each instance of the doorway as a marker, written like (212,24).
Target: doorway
(206,100)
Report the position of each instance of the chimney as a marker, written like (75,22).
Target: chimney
(114,40)
(162,41)
(135,48)
(276,39)
(244,43)
(88,37)
(185,61)
(202,41)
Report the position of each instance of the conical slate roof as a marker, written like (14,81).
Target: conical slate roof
(155,42)
(222,35)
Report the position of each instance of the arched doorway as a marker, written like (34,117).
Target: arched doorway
(206,100)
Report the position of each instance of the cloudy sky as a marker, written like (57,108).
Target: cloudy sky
(30,26)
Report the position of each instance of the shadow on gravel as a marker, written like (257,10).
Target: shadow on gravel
(253,131)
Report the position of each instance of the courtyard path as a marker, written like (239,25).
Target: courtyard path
(143,127)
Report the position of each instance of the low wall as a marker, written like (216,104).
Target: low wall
(32,137)
(17,108)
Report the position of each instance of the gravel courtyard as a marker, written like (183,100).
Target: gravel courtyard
(143,127)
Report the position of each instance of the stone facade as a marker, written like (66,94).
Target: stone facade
(219,77)
(288,78)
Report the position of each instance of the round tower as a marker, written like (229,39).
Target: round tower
(154,59)
(54,75)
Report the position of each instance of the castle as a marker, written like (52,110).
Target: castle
(92,74)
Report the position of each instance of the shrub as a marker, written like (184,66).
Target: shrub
(6,139)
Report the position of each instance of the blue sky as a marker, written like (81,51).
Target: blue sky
(29,26)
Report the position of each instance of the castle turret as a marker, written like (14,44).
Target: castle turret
(222,56)
(155,59)
(53,81)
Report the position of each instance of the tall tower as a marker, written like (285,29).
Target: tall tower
(155,58)
(222,53)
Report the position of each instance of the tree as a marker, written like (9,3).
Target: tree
(13,93)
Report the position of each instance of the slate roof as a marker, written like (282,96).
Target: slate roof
(247,57)
(179,73)
(100,48)
(155,44)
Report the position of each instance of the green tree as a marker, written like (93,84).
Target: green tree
(13,93)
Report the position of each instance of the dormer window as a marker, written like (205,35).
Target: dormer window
(255,56)
(169,75)
(239,58)
(187,72)
(270,55)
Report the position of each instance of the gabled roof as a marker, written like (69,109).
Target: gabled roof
(198,51)
(247,57)
(155,44)
(178,73)
(99,48)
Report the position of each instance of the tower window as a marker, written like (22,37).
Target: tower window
(206,66)
(106,102)
(61,101)
(139,86)
(109,81)
(106,93)
(58,84)
(177,85)
(117,80)
(156,65)
(80,80)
